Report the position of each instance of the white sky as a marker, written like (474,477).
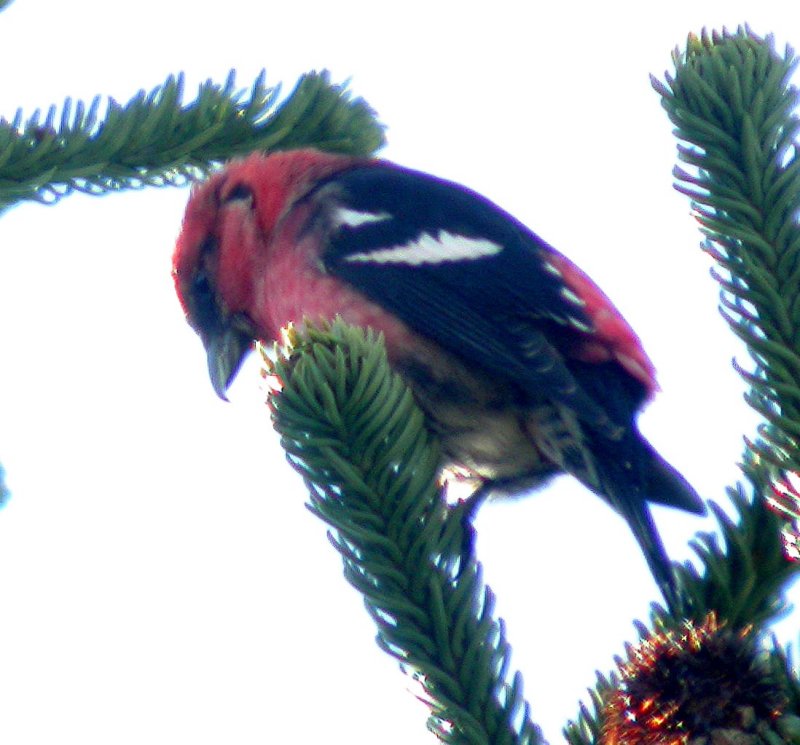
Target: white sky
(161,580)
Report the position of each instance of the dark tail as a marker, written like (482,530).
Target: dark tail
(639,518)
(664,485)
(651,479)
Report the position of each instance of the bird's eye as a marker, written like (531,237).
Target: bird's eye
(202,292)
(239,192)
(203,303)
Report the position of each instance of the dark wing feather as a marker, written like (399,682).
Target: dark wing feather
(497,311)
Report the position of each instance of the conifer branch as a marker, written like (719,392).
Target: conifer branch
(742,569)
(351,427)
(733,106)
(734,109)
(156,139)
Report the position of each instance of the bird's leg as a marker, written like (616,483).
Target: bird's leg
(458,532)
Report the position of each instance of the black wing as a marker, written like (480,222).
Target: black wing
(462,272)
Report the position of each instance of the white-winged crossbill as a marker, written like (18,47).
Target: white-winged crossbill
(522,365)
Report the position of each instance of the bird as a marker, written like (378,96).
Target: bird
(522,365)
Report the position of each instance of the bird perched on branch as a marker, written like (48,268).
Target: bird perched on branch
(523,366)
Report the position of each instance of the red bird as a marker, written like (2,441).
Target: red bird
(523,366)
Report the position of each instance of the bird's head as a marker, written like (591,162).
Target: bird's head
(224,244)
